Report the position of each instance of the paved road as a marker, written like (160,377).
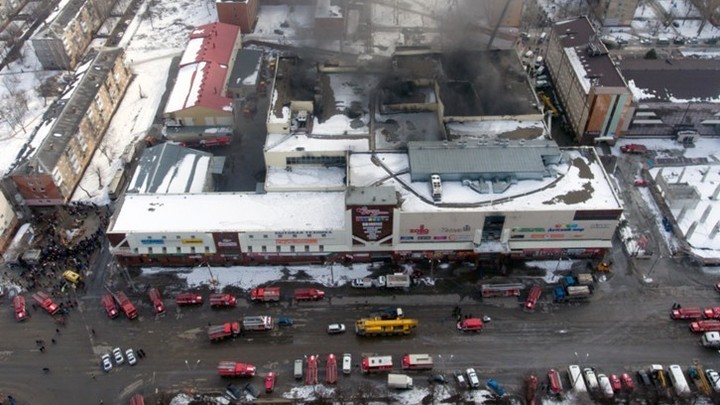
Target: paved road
(625,327)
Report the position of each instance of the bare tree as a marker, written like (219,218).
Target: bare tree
(98,171)
(14,107)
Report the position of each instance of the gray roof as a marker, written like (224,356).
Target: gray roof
(66,124)
(247,63)
(479,159)
(64,16)
(157,171)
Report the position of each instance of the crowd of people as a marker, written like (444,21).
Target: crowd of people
(67,238)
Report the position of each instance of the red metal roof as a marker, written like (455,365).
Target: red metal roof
(218,42)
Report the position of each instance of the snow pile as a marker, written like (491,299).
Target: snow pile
(638,93)
(246,277)
(309,392)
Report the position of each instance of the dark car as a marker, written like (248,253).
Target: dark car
(252,390)
(437,379)
(234,392)
(644,378)
(285,321)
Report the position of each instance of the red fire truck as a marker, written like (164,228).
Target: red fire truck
(235,369)
(156,298)
(222,301)
(226,330)
(376,364)
(19,305)
(705,326)
(501,290)
(693,313)
(127,307)
(267,294)
(309,294)
(532,298)
(109,304)
(712,313)
(188,299)
(46,302)
(331,369)
(311,377)
(417,362)
(470,325)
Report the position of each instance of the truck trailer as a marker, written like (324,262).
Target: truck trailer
(257,323)
(399,382)
(224,331)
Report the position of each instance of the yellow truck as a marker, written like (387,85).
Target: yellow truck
(385,327)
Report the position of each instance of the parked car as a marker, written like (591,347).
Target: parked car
(234,392)
(106,362)
(713,378)
(473,379)
(460,379)
(362,283)
(437,379)
(252,390)
(117,353)
(347,363)
(335,328)
(130,357)
(644,378)
(285,321)
(627,381)
(615,382)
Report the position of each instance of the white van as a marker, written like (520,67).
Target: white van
(678,380)
(605,386)
(576,378)
(347,363)
(590,379)
(298,369)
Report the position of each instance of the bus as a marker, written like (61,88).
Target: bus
(385,327)
(376,364)
(116,184)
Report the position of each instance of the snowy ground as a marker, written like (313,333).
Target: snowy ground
(251,277)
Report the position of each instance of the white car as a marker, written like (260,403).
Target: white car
(117,353)
(130,357)
(713,378)
(106,362)
(362,283)
(347,363)
(335,328)
(472,378)
(380,282)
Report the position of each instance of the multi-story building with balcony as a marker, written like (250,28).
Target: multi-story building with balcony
(51,175)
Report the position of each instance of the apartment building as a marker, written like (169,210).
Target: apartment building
(63,39)
(242,13)
(596,99)
(51,175)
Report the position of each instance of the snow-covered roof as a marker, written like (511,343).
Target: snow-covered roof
(306,178)
(203,68)
(302,142)
(579,182)
(170,168)
(218,212)
(705,179)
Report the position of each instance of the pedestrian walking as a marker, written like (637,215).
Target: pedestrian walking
(42,349)
(93,331)
(53,340)
(57,331)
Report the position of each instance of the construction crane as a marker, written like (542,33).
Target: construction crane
(548,103)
